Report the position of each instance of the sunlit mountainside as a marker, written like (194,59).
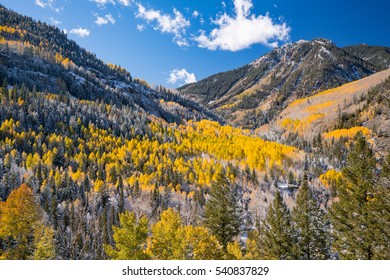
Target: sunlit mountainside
(255,94)
(340,112)
(96,164)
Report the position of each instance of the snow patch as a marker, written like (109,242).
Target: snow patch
(326,51)
(120,85)
(80,80)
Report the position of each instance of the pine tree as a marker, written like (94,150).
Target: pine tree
(312,230)
(381,214)
(354,216)
(222,211)
(277,232)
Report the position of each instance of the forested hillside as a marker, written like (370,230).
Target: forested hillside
(96,165)
(256,93)
(39,55)
(376,55)
(360,106)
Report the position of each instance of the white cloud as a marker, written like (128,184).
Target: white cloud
(104,20)
(182,42)
(140,27)
(48,4)
(125,2)
(82,32)
(54,21)
(43,4)
(195,14)
(103,2)
(180,76)
(166,23)
(243,30)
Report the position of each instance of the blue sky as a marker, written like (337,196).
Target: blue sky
(180,41)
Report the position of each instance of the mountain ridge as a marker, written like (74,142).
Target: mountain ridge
(254,94)
(39,55)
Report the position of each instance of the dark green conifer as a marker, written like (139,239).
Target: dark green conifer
(312,229)
(222,211)
(278,233)
(354,216)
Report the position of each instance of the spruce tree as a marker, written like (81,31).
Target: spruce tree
(222,210)
(311,226)
(277,232)
(354,216)
(381,213)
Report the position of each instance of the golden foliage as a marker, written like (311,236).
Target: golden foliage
(194,154)
(330,178)
(300,125)
(18,216)
(348,133)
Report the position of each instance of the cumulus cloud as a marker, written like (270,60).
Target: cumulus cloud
(104,20)
(244,29)
(176,24)
(181,76)
(82,32)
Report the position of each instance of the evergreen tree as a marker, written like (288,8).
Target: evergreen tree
(277,232)
(354,221)
(382,214)
(222,211)
(310,223)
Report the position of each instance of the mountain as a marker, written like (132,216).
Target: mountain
(359,106)
(379,56)
(95,164)
(254,94)
(39,55)
(87,143)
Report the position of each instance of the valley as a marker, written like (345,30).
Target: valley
(273,160)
